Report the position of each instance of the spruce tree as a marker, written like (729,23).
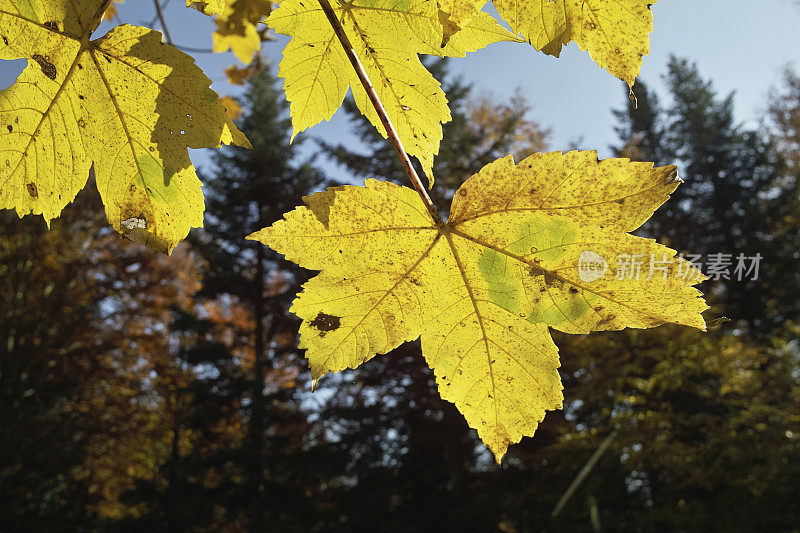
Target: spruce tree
(248,190)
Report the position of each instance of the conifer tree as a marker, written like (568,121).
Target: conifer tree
(246,190)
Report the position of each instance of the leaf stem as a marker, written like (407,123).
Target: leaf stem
(98,16)
(376,102)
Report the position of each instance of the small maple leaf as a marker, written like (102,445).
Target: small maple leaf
(456,14)
(232,107)
(482,290)
(126,104)
(237,75)
(388,37)
(237,28)
(111,12)
(616,34)
(209,7)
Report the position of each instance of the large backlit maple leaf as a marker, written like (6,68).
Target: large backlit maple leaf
(125,103)
(527,247)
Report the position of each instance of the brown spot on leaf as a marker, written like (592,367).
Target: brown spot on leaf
(48,68)
(5,41)
(32,190)
(325,323)
(52,26)
(462,192)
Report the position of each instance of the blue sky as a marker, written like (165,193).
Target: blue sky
(742,46)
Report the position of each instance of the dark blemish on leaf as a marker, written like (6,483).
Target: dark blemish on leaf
(5,41)
(606,320)
(48,68)
(620,201)
(81,97)
(325,323)
(52,26)
(81,123)
(462,192)
(10,128)
(574,290)
(32,190)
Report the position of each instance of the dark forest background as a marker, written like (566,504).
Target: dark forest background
(146,393)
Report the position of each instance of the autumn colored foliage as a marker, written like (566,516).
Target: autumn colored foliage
(199,355)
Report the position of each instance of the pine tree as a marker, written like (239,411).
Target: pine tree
(731,190)
(248,190)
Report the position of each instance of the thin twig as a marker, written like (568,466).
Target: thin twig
(376,102)
(194,50)
(587,468)
(163,22)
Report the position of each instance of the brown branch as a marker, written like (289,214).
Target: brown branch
(160,14)
(376,102)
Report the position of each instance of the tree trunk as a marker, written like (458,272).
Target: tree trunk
(257,408)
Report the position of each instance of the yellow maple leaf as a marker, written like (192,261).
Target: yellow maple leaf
(126,104)
(111,12)
(237,75)
(527,247)
(209,7)
(232,107)
(456,14)
(388,37)
(237,28)
(616,34)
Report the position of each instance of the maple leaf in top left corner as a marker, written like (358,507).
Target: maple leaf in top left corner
(125,103)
